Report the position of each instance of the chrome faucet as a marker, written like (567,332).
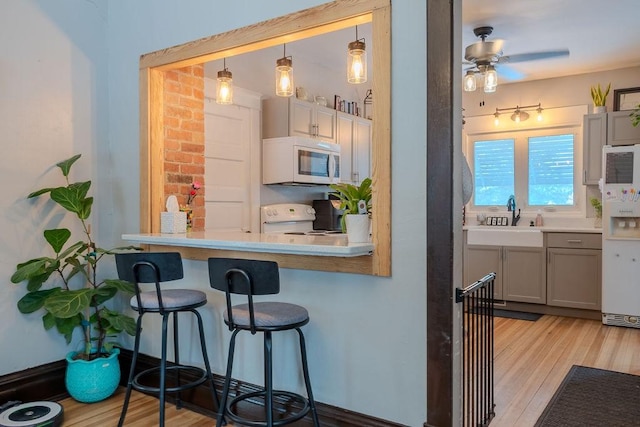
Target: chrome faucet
(511,207)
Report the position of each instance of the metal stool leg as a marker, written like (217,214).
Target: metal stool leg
(268,379)
(307,381)
(134,359)
(163,367)
(227,381)
(176,358)
(205,358)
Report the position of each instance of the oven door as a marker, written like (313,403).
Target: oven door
(316,166)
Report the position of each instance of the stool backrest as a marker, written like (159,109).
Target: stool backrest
(244,277)
(259,278)
(149,267)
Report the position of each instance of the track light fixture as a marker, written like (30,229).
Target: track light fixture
(284,75)
(519,114)
(224,85)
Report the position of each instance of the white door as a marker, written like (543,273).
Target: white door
(228,175)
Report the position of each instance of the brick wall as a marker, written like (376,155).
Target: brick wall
(184,137)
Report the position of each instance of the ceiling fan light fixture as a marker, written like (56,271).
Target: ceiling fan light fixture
(490,79)
(469,83)
(284,75)
(224,86)
(357,61)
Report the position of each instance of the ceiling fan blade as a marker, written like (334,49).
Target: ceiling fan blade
(533,56)
(509,73)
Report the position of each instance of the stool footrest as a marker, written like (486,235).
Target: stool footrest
(292,417)
(192,371)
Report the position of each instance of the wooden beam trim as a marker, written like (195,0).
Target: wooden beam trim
(284,29)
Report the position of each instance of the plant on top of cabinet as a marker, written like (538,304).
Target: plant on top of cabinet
(599,96)
(635,116)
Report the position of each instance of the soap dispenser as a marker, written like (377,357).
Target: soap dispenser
(539,221)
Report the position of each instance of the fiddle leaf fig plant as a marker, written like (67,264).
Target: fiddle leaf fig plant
(350,196)
(65,285)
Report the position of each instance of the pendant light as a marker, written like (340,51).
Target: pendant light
(469,83)
(284,75)
(357,61)
(490,79)
(224,86)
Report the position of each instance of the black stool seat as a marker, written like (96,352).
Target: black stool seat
(269,315)
(249,277)
(172,300)
(158,268)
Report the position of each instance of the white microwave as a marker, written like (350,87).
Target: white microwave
(300,160)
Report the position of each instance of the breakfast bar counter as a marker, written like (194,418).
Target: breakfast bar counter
(318,245)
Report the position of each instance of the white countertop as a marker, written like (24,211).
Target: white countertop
(334,245)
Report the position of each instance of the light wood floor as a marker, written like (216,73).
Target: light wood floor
(142,412)
(531,359)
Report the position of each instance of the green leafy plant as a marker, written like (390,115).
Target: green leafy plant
(599,96)
(66,285)
(597,205)
(350,195)
(635,116)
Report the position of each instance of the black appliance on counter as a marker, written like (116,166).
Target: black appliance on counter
(328,214)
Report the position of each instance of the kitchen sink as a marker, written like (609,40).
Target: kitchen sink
(504,236)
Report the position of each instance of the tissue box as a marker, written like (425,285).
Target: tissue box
(173,222)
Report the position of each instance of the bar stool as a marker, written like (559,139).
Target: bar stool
(251,277)
(157,268)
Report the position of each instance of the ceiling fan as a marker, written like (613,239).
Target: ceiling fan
(485,56)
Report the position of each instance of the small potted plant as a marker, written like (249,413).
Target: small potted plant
(597,205)
(355,201)
(599,98)
(66,287)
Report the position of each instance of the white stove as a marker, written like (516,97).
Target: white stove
(290,218)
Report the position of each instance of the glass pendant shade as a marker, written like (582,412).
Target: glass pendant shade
(496,120)
(469,82)
(490,79)
(284,77)
(224,87)
(357,62)
(519,116)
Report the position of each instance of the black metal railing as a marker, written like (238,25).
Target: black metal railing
(477,352)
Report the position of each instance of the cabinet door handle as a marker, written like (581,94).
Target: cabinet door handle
(584,179)
(574,240)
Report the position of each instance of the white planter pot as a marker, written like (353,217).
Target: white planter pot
(358,227)
(601,109)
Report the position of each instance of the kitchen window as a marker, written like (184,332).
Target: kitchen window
(537,166)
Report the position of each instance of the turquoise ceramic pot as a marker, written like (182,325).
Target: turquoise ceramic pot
(94,380)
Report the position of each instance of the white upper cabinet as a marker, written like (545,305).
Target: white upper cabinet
(296,117)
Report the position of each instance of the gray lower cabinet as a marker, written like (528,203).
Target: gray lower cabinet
(480,260)
(520,271)
(574,274)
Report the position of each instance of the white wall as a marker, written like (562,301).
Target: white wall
(367,336)
(53,79)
